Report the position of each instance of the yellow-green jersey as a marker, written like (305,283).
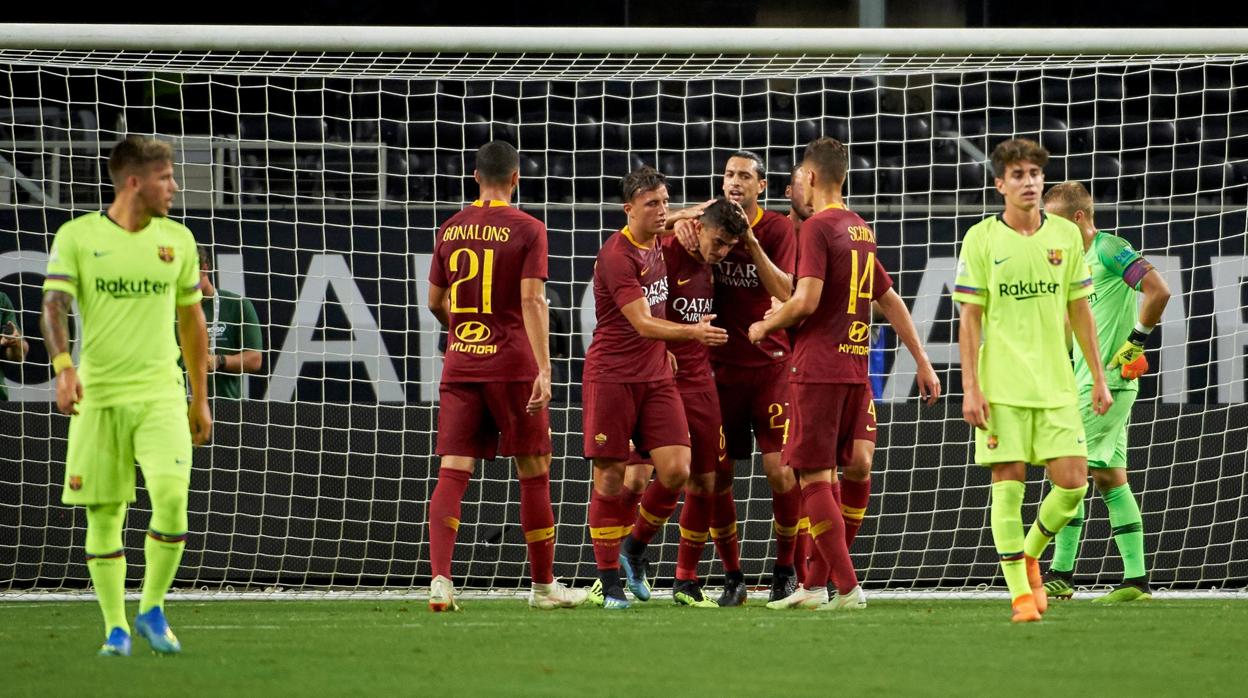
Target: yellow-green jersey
(1117,272)
(128,286)
(1024,283)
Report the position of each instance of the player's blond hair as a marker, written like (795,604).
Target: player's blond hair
(1017,150)
(1066,198)
(134,152)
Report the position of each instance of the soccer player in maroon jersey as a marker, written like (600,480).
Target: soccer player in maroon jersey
(752,378)
(487,287)
(691,295)
(839,276)
(630,391)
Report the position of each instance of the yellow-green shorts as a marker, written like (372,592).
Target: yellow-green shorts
(1030,434)
(1107,433)
(105,443)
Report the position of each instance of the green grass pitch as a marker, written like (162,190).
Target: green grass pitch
(366,647)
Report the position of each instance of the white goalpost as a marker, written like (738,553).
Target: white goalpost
(317,162)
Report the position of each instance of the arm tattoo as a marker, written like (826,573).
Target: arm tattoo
(57,306)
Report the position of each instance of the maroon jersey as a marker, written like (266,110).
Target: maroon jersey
(742,298)
(482,253)
(691,294)
(624,272)
(831,345)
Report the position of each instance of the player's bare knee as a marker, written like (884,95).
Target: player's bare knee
(532,466)
(608,476)
(1107,479)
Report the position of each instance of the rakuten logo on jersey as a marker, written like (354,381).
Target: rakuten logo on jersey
(131,288)
(1022,290)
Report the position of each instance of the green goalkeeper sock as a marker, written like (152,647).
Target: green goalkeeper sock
(106,562)
(1007,534)
(1057,509)
(1124,517)
(1066,547)
(166,539)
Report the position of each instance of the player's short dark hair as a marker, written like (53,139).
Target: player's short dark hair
(1066,198)
(759,168)
(205,256)
(828,157)
(725,215)
(642,179)
(496,161)
(1017,150)
(133,152)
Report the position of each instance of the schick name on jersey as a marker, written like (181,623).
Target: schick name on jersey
(131,288)
(1022,290)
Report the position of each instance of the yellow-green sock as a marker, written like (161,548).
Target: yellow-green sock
(1057,509)
(1007,534)
(106,562)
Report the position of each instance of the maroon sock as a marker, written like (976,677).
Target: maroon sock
(827,529)
(537,519)
(786,507)
(801,550)
(817,573)
(656,507)
(444,518)
(724,530)
(629,501)
(695,522)
(854,498)
(606,529)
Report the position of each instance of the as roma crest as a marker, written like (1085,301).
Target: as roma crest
(1055,257)
(166,254)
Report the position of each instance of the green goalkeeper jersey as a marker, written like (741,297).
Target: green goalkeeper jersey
(1024,284)
(1117,272)
(128,286)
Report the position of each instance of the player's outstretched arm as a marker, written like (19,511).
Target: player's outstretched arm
(193,337)
(650,327)
(801,305)
(1084,328)
(536,312)
(55,325)
(894,308)
(975,408)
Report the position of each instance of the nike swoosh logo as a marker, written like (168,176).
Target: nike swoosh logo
(998,261)
(179,461)
(644,270)
(682,282)
(870,428)
(1078,441)
(101,254)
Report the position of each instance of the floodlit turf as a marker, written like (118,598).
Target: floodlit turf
(362,647)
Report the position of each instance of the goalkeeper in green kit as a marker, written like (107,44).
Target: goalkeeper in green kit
(131,271)
(1119,276)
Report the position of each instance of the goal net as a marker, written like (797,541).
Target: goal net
(316,168)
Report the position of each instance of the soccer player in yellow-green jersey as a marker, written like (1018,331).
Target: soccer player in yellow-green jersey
(132,272)
(1120,275)
(1021,275)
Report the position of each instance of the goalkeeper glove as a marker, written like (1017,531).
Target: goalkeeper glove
(1130,356)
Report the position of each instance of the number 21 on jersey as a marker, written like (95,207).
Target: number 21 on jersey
(482,267)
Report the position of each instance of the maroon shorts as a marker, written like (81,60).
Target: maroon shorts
(827,418)
(702,412)
(651,415)
(753,399)
(484,420)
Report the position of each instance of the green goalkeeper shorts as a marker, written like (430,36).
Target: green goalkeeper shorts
(105,443)
(1029,434)
(1107,433)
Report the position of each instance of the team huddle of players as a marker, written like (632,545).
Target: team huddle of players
(689,359)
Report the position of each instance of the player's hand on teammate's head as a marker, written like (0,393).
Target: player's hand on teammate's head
(68,391)
(539,398)
(709,334)
(687,234)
